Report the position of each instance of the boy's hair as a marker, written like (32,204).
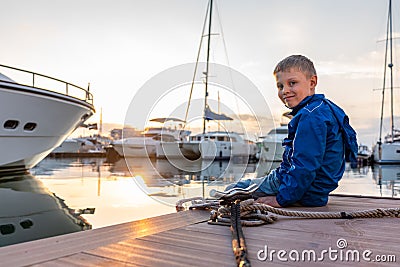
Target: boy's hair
(297,62)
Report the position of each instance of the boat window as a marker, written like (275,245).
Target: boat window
(30,126)
(7,229)
(221,138)
(279,131)
(282,131)
(26,224)
(11,124)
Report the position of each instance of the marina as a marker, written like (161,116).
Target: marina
(133,216)
(121,192)
(151,189)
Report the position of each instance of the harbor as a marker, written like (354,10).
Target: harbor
(137,141)
(120,193)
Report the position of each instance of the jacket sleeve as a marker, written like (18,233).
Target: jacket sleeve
(308,151)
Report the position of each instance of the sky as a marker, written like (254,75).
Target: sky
(119,46)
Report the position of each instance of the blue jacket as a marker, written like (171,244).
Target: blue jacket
(314,152)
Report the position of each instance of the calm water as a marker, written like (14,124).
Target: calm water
(55,196)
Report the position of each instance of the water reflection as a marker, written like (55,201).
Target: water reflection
(140,188)
(388,176)
(161,180)
(29,211)
(376,180)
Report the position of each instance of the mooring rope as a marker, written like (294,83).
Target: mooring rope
(253,214)
(239,212)
(238,242)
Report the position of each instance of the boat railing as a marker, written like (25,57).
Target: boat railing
(66,88)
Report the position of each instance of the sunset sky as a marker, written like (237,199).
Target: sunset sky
(118,46)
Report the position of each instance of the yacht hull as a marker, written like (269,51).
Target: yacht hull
(34,122)
(388,153)
(177,150)
(135,147)
(272,150)
(209,150)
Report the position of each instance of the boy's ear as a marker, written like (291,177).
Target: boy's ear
(313,81)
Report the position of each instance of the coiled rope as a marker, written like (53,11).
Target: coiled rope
(245,212)
(253,214)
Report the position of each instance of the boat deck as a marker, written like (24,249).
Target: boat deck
(185,239)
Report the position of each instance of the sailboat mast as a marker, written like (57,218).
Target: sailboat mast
(101,122)
(391,69)
(207,66)
(388,35)
(384,82)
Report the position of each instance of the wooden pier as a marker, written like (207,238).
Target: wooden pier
(77,155)
(185,239)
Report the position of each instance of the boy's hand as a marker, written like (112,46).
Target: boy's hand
(269,200)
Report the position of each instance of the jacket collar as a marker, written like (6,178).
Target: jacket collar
(306,101)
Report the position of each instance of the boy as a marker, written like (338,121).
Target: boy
(319,139)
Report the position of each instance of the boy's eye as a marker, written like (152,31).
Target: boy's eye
(291,84)
(280,86)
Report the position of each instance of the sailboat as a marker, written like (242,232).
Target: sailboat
(388,150)
(209,145)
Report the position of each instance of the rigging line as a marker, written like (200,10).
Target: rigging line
(207,66)
(195,68)
(384,78)
(391,70)
(226,55)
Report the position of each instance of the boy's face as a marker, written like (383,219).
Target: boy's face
(294,86)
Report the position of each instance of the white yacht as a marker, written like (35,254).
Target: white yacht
(145,145)
(140,146)
(89,144)
(210,145)
(33,120)
(387,153)
(271,148)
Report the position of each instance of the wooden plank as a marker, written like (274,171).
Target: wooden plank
(257,238)
(179,239)
(59,246)
(374,202)
(354,227)
(84,259)
(147,253)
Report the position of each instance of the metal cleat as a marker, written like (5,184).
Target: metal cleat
(234,194)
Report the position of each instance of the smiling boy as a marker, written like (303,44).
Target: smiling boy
(320,138)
